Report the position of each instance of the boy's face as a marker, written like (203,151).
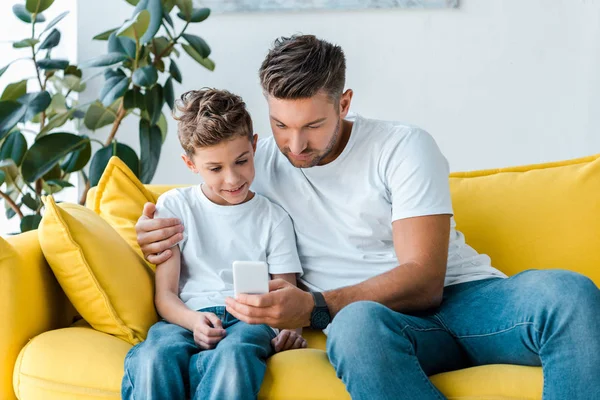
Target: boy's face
(226,168)
(307,131)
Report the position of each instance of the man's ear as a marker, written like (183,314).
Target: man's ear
(345,101)
(189,163)
(254,142)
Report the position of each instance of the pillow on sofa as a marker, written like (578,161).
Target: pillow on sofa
(535,216)
(107,282)
(119,198)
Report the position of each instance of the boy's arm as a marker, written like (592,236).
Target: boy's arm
(167,301)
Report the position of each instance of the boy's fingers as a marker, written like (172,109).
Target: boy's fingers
(214,321)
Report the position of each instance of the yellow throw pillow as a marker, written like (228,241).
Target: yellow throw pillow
(535,216)
(107,282)
(119,198)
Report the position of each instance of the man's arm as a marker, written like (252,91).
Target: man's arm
(421,245)
(157,236)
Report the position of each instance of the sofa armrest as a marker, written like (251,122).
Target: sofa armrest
(31,301)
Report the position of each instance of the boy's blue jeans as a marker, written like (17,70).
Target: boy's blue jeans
(169,364)
(545,318)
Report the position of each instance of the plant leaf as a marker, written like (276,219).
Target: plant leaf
(114,87)
(134,98)
(136,26)
(52,40)
(30,202)
(150,146)
(2,177)
(162,125)
(55,122)
(55,21)
(167,17)
(34,103)
(21,44)
(104,60)
(14,147)
(168,5)
(47,151)
(159,45)
(30,222)
(73,83)
(155,10)
(174,71)
(121,44)
(205,62)
(78,159)
(102,156)
(145,76)
(154,103)
(198,44)
(185,7)
(133,2)
(59,182)
(11,112)
(14,90)
(197,15)
(21,12)
(168,93)
(98,116)
(38,6)
(3,69)
(105,35)
(47,63)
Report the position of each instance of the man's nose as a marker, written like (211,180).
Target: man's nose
(297,143)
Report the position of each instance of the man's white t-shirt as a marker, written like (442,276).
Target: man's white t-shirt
(343,211)
(215,236)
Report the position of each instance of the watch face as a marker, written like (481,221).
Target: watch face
(320,320)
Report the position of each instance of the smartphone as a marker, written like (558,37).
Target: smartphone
(250,277)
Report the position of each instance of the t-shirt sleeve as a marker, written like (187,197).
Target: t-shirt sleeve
(282,253)
(416,177)
(170,205)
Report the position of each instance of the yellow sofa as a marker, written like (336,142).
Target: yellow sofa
(537,216)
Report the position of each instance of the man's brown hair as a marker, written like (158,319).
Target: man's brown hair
(207,117)
(299,66)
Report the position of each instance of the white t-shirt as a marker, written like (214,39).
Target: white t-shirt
(343,211)
(216,235)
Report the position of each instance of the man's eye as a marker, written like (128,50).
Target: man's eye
(240,162)
(314,127)
(280,126)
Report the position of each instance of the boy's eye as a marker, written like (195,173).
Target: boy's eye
(240,162)
(216,169)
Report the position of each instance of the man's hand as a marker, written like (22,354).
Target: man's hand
(285,306)
(157,236)
(208,330)
(288,340)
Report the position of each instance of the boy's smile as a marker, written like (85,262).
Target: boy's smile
(227,170)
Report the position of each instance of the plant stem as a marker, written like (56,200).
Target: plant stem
(171,45)
(86,189)
(120,115)
(12,204)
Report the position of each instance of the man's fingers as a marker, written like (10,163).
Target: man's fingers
(255,300)
(276,284)
(158,247)
(299,343)
(160,234)
(252,320)
(282,339)
(149,209)
(289,343)
(149,225)
(243,309)
(159,258)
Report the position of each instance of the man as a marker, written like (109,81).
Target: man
(403,293)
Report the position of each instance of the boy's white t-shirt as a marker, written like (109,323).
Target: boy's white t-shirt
(216,235)
(343,211)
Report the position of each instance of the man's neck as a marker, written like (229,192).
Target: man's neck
(340,145)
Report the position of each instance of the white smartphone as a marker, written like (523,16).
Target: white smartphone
(250,277)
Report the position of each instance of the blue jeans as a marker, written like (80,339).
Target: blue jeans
(169,364)
(545,318)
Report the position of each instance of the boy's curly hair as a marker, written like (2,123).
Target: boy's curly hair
(207,117)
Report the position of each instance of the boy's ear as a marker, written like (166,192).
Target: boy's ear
(189,163)
(254,142)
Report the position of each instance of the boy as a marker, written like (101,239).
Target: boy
(198,349)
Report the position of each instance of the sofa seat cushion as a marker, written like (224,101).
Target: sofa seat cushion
(81,363)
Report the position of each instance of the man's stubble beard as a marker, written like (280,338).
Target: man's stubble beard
(315,161)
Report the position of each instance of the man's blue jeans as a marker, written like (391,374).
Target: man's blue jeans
(169,364)
(539,318)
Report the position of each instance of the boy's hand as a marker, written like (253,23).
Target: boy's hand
(208,330)
(287,340)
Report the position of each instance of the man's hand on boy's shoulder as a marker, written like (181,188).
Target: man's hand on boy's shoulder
(157,236)
(288,339)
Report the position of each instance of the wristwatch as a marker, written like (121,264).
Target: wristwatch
(320,317)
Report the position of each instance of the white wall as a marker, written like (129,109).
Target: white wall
(497,83)
(12,29)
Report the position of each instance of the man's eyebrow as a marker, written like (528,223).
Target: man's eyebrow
(316,121)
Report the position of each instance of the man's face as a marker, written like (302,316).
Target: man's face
(306,130)
(226,168)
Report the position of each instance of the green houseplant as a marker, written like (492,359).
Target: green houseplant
(139,69)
